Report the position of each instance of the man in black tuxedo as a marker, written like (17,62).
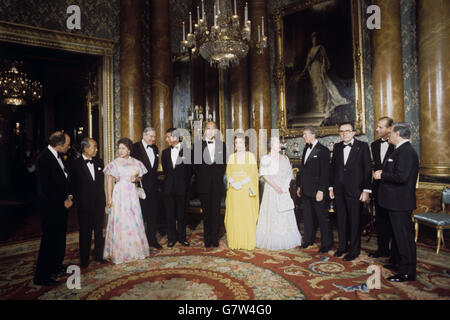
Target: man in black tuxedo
(312,187)
(177,167)
(350,184)
(88,187)
(54,199)
(397,194)
(147,152)
(381,149)
(210,168)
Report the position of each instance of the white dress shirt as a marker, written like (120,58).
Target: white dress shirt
(384,146)
(211,148)
(174,153)
(308,151)
(347,150)
(55,153)
(90,166)
(149,151)
(400,143)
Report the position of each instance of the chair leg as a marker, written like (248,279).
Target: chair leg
(439,239)
(416,227)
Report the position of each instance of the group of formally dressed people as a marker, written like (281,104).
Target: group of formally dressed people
(349,178)
(132,223)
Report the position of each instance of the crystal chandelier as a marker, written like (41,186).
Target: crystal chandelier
(16,88)
(226,42)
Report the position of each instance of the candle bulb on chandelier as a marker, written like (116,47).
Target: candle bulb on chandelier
(190,22)
(198,14)
(235,9)
(215,16)
(262,26)
(203,10)
(246,13)
(184,31)
(218,7)
(259,33)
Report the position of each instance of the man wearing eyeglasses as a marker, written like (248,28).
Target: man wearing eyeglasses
(350,183)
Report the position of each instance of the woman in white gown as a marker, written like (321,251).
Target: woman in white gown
(326,95)
(277,226)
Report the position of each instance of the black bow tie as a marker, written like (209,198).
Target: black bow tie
(174,147)
(210,141)
(149,146)
(348,145)
(309,145)
(383,141)
(89,161)
(60,155)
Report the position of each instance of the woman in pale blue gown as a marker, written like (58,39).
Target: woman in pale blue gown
(277,227)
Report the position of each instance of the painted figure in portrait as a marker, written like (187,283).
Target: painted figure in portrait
(318,64)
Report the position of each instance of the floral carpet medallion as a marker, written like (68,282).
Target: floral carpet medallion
(196,273)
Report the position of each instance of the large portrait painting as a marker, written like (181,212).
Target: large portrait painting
(319,65)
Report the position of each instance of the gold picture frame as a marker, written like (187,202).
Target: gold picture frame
(33,36)
(293,127)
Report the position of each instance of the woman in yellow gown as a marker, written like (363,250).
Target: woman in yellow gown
(242,202)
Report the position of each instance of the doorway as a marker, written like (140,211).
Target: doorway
(76,75)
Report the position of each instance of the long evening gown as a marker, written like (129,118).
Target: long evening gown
(241,211)
(276,229)
(125,234)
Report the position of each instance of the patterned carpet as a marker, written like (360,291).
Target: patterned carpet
(196,273)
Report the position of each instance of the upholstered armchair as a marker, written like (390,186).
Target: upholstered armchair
(438,220)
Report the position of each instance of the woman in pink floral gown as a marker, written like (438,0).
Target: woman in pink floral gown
(125,234)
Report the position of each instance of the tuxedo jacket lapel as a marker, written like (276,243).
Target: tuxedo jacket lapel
(313,152)
(156,154)
(377,154)
(56,163)
(206,154)
(180,155)
(340,153)
(85,169)
(303,156)
(145,155)
(353,152)
(389,151)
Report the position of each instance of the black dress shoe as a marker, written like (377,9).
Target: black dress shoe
(102,261)
(324,250)
(155,245)
(349,257)
(306,245)
(339,253)
(48,282)
(171,244)
(61,269)
(207,245)
(215,244)
(61,272)
(378,255)
(184,243)
(393,267)
(399,277)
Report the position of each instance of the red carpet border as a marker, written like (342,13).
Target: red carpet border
(196,273)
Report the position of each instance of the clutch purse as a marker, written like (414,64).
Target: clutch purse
(285,202)
(141,192)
